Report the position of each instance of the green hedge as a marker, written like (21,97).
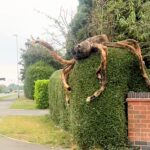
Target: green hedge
(103,122)
(37,71)
(58,110)
(41,93)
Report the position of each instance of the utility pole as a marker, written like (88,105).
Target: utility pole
(17,50)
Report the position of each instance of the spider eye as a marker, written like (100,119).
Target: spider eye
(79,46)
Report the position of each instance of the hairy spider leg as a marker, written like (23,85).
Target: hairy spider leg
(101,72)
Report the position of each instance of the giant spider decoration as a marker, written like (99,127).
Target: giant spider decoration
(90,45)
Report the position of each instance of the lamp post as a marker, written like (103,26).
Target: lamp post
(17,50)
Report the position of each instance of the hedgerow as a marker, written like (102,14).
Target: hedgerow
(41,93)
(102,122)
(58,110)
(37,71)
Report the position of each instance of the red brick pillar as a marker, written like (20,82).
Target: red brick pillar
(139,119)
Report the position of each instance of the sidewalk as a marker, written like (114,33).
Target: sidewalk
(12,144)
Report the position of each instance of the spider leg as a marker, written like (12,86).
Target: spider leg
(101,72)
(53,53)
(135,49)
(98,73)
(69,64)
(65,75)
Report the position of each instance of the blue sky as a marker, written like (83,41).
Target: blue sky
(19,17)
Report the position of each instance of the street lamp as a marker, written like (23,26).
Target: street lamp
(17,50)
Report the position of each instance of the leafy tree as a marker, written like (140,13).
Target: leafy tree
(122,19)
(79,26)
(2,88)
(118,19)
(35,53)
(38,71)
(12,87)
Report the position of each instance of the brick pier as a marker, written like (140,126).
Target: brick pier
(139,119)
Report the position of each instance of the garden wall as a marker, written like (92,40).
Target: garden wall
(139,119)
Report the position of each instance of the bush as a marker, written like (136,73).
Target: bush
(102,122)
(37,71)
(41,93)
(58,109)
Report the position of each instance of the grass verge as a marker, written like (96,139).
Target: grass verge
(23,103)
(5,97)
(35,129)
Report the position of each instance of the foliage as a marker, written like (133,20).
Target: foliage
(103,122)
(10,88)
(37,71)
(41,93)
(118,19)
(81,20)
(79,25)
(121,20)
(58,110)
(35,53)
(2,88)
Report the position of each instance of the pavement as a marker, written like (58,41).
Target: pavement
(7,143)
(12,144)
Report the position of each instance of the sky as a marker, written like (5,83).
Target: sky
(19,17)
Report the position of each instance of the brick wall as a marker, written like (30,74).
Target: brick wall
(139,120)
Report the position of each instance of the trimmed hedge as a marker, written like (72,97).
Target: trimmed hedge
(41,93)
(103,122)
(58,110)
(37,71)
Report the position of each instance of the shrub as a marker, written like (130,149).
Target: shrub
(41,93)
(37,71)
(102,122)
(58,110)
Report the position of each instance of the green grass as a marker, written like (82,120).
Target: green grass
(35,129)
(23,103)
(7,96)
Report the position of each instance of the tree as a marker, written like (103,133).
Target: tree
(2,88)
(33,54)
(12,87)
(79,26)
(122,19)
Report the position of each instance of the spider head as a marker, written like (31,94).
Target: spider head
(82,50)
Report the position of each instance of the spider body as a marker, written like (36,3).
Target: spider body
(94,44)
(85,48)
